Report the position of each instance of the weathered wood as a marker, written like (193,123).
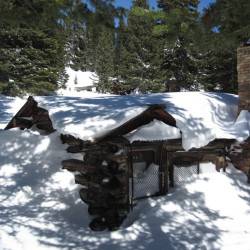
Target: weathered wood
(155,111)
(93,159)
(38,116)
(239,155)
(113,220)
(25,111)
(72,141)
(190,158)
(23,123)
(74,149)
(96,210)
(117,158)
(98,224)
(73,165)
(82,180)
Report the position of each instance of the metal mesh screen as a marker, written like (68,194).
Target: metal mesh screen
(185,174)
(145,180)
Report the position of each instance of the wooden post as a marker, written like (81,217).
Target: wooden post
(171,175)
(243,67)
(198,167)
(248,176)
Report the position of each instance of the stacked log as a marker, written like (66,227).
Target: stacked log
(103,178)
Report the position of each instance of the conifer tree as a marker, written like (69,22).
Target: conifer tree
(179,25)
(105,51)
(32,47)
(77,47)
(228,25)
(139,51)
(121,55)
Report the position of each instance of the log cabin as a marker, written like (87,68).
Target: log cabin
(133,146)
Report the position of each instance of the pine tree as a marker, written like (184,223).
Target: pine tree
(120,55)
(31,47)
(187,5)
(228,25)
(105,51)
(141,4)
(139,51)
(178,24)
(78,52)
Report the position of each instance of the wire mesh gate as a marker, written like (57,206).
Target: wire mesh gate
(147,177)
(154,168)
(185,174)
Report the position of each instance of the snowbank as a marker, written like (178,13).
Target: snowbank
(9,106)
(39,201)
(201,117)
(40,207)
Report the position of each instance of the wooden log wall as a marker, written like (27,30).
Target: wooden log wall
(103,177)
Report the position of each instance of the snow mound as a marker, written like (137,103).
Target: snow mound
(40,207)
(201,117)
(39,201)
(154,131)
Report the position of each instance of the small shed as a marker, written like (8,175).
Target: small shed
(133,146)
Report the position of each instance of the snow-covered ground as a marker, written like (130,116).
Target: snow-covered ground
(40,207)
(9,106)
(77,83)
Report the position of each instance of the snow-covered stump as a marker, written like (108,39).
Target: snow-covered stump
(103,177)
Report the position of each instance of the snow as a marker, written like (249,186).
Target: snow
(40,206)
(154,131)
(9,106)
(200,116)
(78,81)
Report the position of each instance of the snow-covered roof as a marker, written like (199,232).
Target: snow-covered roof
(155,130)
(200,116)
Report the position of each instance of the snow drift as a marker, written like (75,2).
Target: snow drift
(40,207)
(201,117)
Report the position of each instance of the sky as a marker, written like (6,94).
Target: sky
(127,3)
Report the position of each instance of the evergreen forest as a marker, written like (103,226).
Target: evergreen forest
(171,48)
